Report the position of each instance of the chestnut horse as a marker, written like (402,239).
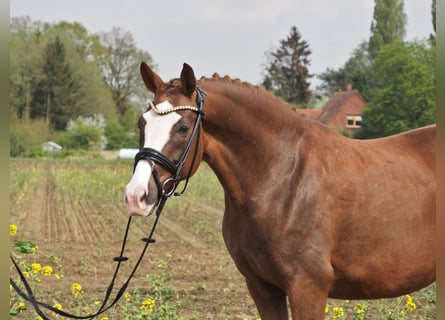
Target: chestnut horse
(309,214)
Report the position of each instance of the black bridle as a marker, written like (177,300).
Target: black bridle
(151,156)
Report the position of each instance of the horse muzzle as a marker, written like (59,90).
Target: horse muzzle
(141,195)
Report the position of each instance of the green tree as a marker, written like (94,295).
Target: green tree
(29,41)
(355,71)
(25,60)
(388,24)
(433,16)
(404,97)
(53,97)
(286,74)
(84,53)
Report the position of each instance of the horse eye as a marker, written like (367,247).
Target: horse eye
(183,129)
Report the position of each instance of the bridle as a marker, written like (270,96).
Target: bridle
(154,157)
(165,190)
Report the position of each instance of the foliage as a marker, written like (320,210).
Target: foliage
(404,97)
(118,137)
(433,16)
(388,24)
(84,133)
(26,134)
(60,71)
(30,44)
(52,97)
(287,74)
(355,71)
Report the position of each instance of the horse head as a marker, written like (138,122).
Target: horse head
(169,143)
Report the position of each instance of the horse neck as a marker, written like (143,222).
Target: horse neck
(246,131)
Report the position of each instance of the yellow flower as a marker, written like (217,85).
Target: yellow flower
(104,318)
(12,230)
(410,303)
(57,276)
(26,274)
(127,296)
(326,309)
(46,271)
(58,306)
(359,311)
(76,289)
(36,267)
(338,312)
(148,304)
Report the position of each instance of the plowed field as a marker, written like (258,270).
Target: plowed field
(75,211)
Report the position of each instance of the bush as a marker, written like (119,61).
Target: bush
(118,138)
(80,137)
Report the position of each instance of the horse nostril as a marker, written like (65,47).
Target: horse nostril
(144,198)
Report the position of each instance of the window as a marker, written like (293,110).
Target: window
(354,121)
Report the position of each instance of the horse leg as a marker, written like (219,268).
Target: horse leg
(269,300)
(308,298)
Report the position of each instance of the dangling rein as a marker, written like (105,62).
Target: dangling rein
(162,197)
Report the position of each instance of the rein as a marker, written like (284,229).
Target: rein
(150,155)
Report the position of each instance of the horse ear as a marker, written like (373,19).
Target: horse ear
(151,79)
(188,79)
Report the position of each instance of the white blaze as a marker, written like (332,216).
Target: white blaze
(157,134)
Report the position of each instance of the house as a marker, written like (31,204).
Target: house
(342,112)
(51,146)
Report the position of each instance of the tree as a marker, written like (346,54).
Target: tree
(404,97)
(433,15)
(287,72)
(25,60)
(388,24)
(355,71)
(83,53)
(120,64)
(53,95)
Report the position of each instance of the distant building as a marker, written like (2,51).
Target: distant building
(342,112)
(51,146)
(127,153)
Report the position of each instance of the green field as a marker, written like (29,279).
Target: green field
(73,210)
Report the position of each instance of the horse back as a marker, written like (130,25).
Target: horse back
(420,143)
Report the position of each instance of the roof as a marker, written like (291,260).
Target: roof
(51,144)
(335,103)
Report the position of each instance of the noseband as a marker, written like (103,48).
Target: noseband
(154,157)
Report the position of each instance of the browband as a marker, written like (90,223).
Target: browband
(178,108)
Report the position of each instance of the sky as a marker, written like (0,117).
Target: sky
(229,37)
